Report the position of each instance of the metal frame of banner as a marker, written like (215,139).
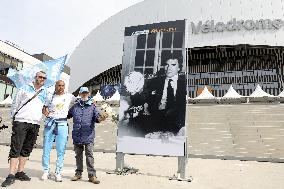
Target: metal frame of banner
(119,161)
(182,164)
(181,174)
(121,169)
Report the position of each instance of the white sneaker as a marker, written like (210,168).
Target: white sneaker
(58,177)
(45,175)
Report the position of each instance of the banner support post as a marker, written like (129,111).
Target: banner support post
(119,161)
(181,172)
(182,162)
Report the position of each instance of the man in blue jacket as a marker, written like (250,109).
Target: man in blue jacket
(85,114)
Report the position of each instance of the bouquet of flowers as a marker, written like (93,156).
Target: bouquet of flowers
(112,114)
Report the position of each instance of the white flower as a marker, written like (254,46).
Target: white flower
(134,82)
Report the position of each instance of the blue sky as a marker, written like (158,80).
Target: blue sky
(54,27)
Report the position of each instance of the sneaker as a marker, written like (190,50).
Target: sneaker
(94,180)
(22,176)
(45,175)
(76,177)
(58,177)
(9,180)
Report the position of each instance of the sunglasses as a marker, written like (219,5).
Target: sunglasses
(41,77)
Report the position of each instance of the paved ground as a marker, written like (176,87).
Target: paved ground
(154,173)
(242,131)
(215,132)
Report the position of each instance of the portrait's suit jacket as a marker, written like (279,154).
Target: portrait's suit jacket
(155,87)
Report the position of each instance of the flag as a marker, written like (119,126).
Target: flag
(107,91)
(52,68)
(118,87)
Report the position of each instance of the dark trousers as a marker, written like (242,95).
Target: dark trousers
(79,148)
(23,138)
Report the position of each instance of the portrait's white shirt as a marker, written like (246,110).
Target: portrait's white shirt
(174,85)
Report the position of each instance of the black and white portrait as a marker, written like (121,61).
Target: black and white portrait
(153,96)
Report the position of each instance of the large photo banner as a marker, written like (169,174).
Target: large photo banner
(153,92)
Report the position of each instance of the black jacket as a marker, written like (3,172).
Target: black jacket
(170,119)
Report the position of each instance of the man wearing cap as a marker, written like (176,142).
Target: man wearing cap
(85,114)
(55,127)
(26,113)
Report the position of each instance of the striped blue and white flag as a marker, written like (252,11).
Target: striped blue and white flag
(52,68)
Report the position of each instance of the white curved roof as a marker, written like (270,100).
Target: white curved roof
(102,48)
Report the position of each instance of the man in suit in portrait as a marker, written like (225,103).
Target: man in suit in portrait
(167,99)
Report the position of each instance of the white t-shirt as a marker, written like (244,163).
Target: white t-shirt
(58,105)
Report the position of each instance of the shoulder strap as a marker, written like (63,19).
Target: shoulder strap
(27,102)
(52,97)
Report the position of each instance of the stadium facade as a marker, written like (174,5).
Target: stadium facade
(237,42)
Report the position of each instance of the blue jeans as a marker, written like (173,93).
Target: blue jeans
(60,141)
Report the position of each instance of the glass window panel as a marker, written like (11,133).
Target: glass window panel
(167,40)
(14,64)
(151,40)
(9,89)
(141,41)
(178,55)
(20,66)
(150,55)
(148,71)
(139,58)
(1,58)
(166,54)
(139,70)
(7,60)
(178,40)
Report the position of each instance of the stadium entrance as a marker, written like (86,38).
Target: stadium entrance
(244,66)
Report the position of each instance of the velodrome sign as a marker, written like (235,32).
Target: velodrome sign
(236,25)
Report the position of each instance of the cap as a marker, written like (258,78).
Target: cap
(84,89)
